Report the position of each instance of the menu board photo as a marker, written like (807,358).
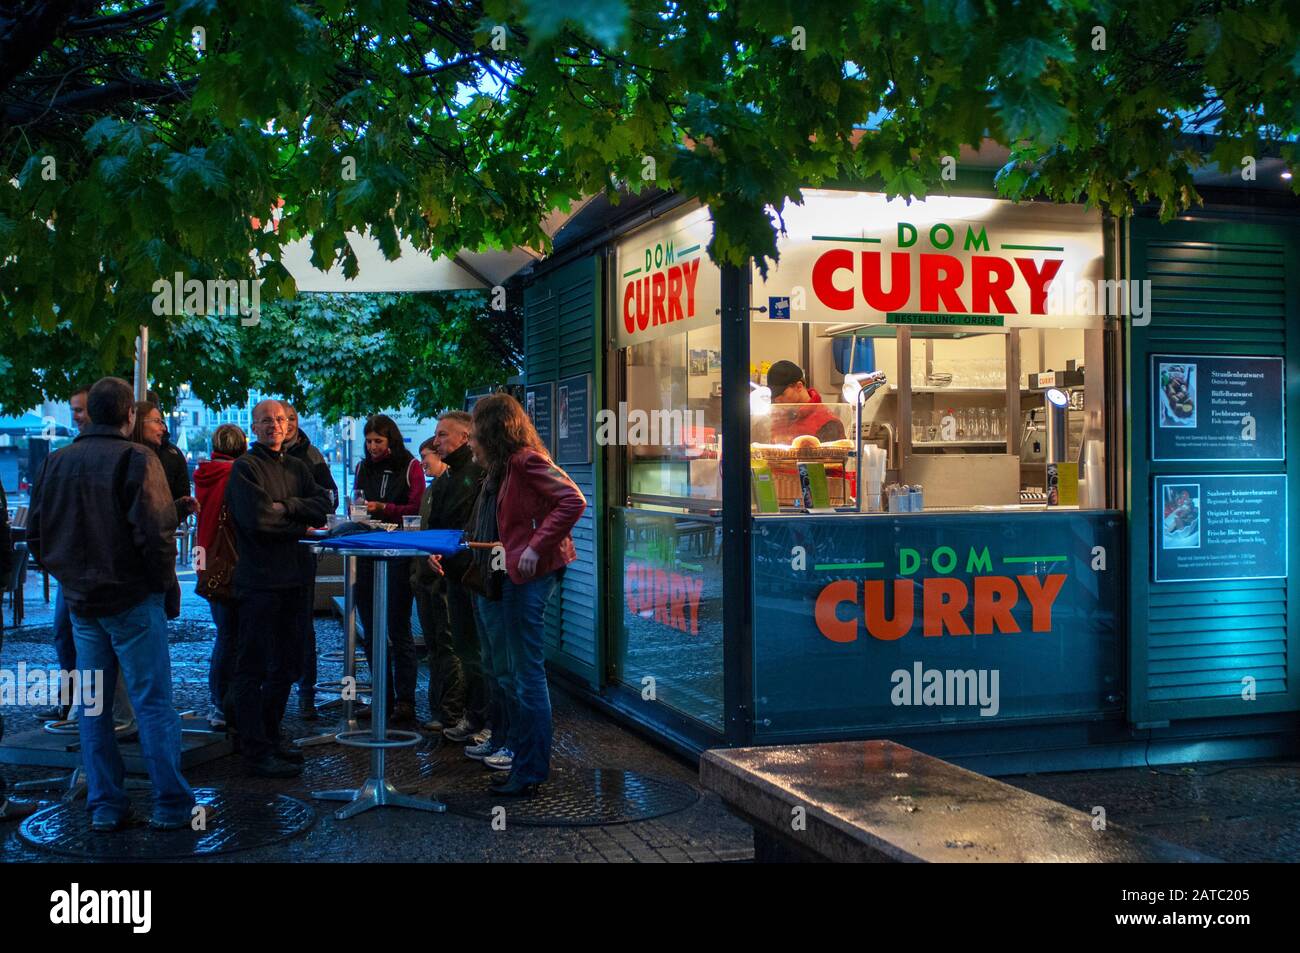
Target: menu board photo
(1217,407)
(573,420)
(539,402)
(1219,527)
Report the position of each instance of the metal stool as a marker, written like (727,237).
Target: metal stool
(377,791)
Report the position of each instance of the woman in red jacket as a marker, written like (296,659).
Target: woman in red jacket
(537,506)
(228,442)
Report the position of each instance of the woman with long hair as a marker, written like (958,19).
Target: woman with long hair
(392,482)
(537,506)
(210,479)
(151,430)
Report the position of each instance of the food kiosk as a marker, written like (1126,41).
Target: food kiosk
(931,532)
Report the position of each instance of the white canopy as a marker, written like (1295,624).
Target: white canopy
(415,270)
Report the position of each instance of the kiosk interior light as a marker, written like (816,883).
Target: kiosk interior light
(855,384)
(760,400)
(1057,397)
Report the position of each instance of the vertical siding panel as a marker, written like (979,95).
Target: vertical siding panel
(1217,288)
(561,334)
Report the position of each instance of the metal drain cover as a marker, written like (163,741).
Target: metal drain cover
(577,797)
(235,821)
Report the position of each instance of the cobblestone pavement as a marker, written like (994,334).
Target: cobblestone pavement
(703,832)
(1237,812)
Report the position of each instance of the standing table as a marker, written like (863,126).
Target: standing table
(377,791)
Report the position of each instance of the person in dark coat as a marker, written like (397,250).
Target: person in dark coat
(457,691)
(299,446)
(272,500)
(102,523)
(391,482)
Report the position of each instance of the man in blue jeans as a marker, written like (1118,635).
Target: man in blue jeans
(102,523)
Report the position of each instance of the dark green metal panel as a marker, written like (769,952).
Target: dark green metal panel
(561,340)
(1218,287)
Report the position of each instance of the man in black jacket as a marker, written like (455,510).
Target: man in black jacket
(102,523)
(272,500)
(299,446)
(457,691)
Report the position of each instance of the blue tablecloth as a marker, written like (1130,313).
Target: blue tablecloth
(443,542)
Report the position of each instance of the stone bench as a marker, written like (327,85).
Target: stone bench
(877,801)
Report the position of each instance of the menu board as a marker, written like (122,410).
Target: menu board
(573,420)
(1219,527)
(539,401)
(1217,407)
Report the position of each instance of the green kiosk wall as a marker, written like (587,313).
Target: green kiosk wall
(1203,645)
(561,343)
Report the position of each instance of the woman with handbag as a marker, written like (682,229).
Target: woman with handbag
(216,538)
(537,506)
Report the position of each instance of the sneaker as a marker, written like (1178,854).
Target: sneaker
(170,822)
(479,751)
(461,731)
(482,736)
(502,760)
(216,719)
(106,822)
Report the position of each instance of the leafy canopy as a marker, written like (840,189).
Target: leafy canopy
(143,138)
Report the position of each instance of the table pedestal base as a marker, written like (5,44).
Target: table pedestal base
(376,792)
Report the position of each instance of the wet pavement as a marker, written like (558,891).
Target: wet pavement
(1237,812)
(699,829)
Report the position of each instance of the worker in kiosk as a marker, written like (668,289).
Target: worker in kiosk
(802,411)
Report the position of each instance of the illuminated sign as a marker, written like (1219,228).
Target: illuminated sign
(853,256)
(667,284)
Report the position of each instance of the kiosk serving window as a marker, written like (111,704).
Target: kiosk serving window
(668,642)
(943,355)
(666,325)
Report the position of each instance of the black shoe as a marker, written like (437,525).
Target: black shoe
(272,767)
(57,713)
(307,709)
(290,755)
(404,714)
(514,788)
